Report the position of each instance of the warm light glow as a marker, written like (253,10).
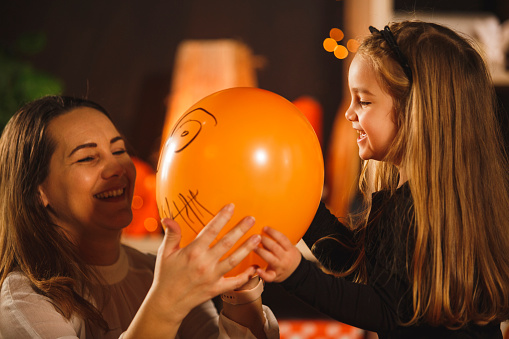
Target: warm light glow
(150,182)
(261,157)
(329,44)
(336,34)
(137,202)
(313,111)
(144,204)
(150,224)
(340,52)
(353,45)
(169,153)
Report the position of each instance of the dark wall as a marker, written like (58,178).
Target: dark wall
(498,7)
(121,53)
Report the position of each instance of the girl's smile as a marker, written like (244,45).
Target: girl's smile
(371,111)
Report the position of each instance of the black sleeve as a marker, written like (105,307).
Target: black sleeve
(368,307)
(338,251)
(324,224)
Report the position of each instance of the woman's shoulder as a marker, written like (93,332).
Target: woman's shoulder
(15,281)
(17,290)
(138,259)
(26,313)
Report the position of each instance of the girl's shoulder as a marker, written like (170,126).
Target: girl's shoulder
(387,234)
(402,193)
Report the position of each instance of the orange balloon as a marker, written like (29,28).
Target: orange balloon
(247,146)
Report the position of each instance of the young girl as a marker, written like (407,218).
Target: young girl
(430,257)
(66,187)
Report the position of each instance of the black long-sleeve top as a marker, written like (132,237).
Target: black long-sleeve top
(385,301)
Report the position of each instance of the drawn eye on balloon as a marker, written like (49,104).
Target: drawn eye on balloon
(188,128)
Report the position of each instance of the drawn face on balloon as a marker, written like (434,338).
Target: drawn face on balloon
(189,126)
(185,207)
(185,131)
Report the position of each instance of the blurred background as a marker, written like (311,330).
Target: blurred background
(148,61)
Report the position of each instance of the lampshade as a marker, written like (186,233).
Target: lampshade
(203,67)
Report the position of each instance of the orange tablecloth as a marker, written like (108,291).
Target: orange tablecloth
(317,329)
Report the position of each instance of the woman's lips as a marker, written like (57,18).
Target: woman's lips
(110,194)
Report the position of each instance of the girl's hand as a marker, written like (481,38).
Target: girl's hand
(282,256)
(186,277)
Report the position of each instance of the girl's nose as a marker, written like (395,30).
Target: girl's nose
(350,114)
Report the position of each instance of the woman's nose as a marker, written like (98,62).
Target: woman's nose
(113,167)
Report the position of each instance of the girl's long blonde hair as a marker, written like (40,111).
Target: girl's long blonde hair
(450,145)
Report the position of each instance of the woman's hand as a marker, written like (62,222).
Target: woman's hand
(186,277)
(282,256)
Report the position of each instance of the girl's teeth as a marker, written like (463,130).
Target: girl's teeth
(110,194)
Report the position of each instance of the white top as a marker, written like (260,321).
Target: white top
(26,314)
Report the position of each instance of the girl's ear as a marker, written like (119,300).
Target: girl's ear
(43,197)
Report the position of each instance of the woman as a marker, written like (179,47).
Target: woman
(66,187)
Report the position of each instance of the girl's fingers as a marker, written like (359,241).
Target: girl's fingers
(272,247)
(266,255)
(212,229)
(268,276)
(279,237)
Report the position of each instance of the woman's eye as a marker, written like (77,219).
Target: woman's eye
(119,152)
(364,103)
(86,159)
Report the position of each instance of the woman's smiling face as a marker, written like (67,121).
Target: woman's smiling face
(371,111)
(90,184)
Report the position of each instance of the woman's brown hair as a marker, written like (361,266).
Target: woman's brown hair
(29,241)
